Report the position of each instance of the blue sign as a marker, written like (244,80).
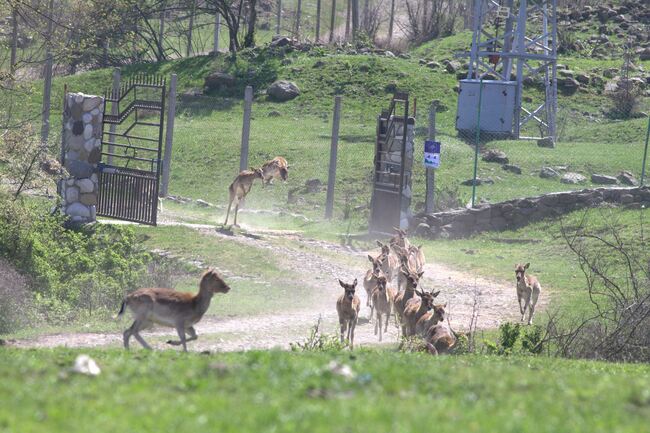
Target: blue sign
(431,154)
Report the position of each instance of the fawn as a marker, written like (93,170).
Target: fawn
(528,289)
(382,301)
(240,187)
(415,308)
(347,307)
(274,169)
(179,310)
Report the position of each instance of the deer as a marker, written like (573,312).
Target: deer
(240,187)
(415,308)
(370,280)
(276,168)
(389,261)
(528,290)
(382,300)
(401,299)
(413,256)
(430,318)
(440,339)
(347,307)
(167,307)
(400,238)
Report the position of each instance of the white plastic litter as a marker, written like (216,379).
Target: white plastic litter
(84,364)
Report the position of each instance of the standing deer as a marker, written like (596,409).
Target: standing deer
(277,168)
(347,307)
(416,308)
(370,280)
(412,279)
(382,300)
(240,187)
(400,239)
(389,261)
(413,257)
(167,307)
(430,318)
(528,289)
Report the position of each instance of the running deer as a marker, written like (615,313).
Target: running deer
(415,308)
(412,279)
(430,318)
(382,300)
(400,238)
(389,261)
(347,307)
(240,187)
(370,280)
(528,289)
(167,307)
(277,168)
(440,338)
(413,257)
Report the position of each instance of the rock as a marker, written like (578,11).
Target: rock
(389,54)
(77,209)
(87,118)
(71,194)
(283,90)
(645,54)
(603,179)
(433,65)
(89,145)
(281,41)
(88,131)
(566,73)
(79,169)
(77,127)
(274,113)
(85,185)
(546,142)
(582,78)
(495,155)
(511,168)
(548,173)
(568,85)
(453,66)
(479,181)
(193,92)
(216,81)
(318,64)
(51,166)
(91,102)
(95,156)
(573,178)
(203,203)
(422,229)
(626,198)
(610,72)
(611,86)
(313,185)
(88,199)
(627,178)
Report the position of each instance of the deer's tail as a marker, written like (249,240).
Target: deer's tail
(122,308)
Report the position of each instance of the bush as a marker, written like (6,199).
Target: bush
(318,341)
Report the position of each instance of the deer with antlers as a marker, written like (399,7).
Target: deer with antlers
(240,187)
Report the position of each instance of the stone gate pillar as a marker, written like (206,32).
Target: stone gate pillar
(82,141)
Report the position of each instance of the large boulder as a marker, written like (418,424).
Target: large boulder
(572,178)
(219,80)
(548,173)
(627,178)
(283,90)
(603,179)
(495,155)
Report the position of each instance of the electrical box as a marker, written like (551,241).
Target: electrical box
(497,106)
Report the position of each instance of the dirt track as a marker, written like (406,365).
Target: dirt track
(319,271)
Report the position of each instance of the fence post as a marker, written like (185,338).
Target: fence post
(117,77)
(169,137)
(645,153)
(318,20)
(217,30)
(331,178)
(47,75)
(278,18)
(246,128)
(478,139)
(430,202)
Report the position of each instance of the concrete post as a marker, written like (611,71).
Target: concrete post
(169,138)
(246,128)
(331,179)
(430,203)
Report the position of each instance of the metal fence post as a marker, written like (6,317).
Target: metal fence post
(217,30)
(246,128)
(331,178)
(169,137)
(278,18)
(117,77)
(478,140)
(430,203)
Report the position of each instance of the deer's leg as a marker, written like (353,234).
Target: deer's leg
(526,304)
(137,326)
(387,320)
(531,307)
(236,210)
(127,335)
(372,310)
(192,333)
(519,299)
(379,323)
(181,334)
(343,328)
(228,213)
(353,324)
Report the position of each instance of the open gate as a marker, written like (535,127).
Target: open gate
(131,165)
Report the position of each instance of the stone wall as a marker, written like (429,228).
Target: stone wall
(82,132)
(517,213)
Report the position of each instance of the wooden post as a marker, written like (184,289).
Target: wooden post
(169,138)
(278,23)
(331,179)
(318,21)
(117,76)
(355,19)
(332,21)
(217,30)
(430,203)
(347,20)
(246,128)
(391,21)
(47,75)
(298,13)
(190,30)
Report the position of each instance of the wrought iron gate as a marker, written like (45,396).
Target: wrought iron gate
(132,150)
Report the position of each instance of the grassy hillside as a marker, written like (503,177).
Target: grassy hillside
(286,392)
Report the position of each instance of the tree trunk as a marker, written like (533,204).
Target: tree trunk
(190,30)
(332,21)
(366,18)
(355,19)
(161,34)
(47,75)
(391,21)
(347,20)
(14,39)
(298,13)
(249,40)
(318,20)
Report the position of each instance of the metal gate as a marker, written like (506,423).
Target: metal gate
(132,134)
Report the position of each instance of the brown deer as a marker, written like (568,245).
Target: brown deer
(382,300)
(347,307)
(415,308)
(389,261)
(370,280)
(430,318)
(277,168)
(528,289)
(167,307)
(240,187)
(413,257)
(412,279)
(440,338)
(400,239)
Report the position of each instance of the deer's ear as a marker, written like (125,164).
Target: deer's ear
(445,304)
(380,244)
(354,283)
(420,294)
(435,294)
(371,259)
(420,274)
(527,265)
(342,284)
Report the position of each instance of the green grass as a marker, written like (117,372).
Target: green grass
(287,392)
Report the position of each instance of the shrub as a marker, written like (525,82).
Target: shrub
(318,341)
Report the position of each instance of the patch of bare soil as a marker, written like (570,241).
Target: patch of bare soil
(318,265)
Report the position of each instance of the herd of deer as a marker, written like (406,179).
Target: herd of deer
(414,310)
(398,261)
